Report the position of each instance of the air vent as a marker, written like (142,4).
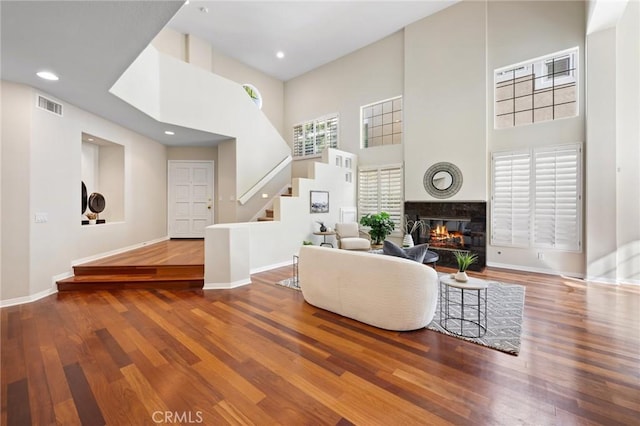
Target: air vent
(49,105)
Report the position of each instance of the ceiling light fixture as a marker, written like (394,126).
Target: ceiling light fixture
(169,132)
(47,75)
(280,54)
(90,139)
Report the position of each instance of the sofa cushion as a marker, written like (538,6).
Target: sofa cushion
(355,244)
(416,253)
(347,230)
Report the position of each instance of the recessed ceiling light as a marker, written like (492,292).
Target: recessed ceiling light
(47,75)
(90,139)
(186,2)
(169,132)
(280,54)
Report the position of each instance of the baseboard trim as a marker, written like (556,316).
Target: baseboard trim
(270,267)
(225,286)
(117,251)
(535,270)
(27,299)
(612,281)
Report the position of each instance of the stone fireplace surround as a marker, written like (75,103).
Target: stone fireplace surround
(460,225)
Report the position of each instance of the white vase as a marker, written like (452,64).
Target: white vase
(461,276)
(92,221)
(407,241)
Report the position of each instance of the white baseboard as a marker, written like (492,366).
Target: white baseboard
(612,281)
(536,270)
(27,299)
(225,286)
(270,267)
(117,251)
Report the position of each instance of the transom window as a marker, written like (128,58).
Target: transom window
(540,89)
(312,137)
(382,123)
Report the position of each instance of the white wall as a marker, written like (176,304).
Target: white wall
(628,142)
(371,74)
(445,99)
(517,31)
(189,48)
(49,177)
(17,104)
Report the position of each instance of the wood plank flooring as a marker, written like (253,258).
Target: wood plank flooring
(260,355)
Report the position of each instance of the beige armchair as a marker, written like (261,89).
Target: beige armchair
(350,237)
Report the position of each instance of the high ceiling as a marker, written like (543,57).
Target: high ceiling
(89,44)
(309,33)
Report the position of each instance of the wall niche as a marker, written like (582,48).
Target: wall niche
(102,172)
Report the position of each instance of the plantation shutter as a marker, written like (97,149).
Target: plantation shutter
(558,197)
(367,191)
(391,194)
(312,137)
(510,199)
(380,190)
(298,141)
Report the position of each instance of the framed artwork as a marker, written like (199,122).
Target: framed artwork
(319,201)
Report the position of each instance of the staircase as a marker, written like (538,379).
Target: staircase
(268,217)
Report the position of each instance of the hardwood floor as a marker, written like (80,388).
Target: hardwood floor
(260,355)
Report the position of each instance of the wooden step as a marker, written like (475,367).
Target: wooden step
(269,212)
(134,281)
(265,219)
(156,270)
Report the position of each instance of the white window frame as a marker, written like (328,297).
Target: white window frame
(538,66)
(550,202)
(315,151)
(380,203)
(362,122)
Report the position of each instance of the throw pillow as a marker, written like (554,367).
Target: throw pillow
(416,253)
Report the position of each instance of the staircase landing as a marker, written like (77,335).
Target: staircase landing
(173,264)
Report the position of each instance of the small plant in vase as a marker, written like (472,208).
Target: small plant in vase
(411,226)
(464,259)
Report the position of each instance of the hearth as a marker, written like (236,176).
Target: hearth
(451,226)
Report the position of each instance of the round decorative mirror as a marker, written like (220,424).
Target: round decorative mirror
(442,180)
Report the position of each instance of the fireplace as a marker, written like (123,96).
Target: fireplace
(451,226)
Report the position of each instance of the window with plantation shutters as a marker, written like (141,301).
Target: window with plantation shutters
(557,198)
(312,137)
(510,200)
(536,198)
(380,190)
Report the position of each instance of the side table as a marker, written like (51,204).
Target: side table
(324,237)
(472,311)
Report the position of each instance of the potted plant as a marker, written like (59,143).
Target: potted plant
(464,259)
(381,226)
(411,226)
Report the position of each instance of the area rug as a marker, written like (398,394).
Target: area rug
(505,303)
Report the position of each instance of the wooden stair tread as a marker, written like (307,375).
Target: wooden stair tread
(265,219)
(163,270)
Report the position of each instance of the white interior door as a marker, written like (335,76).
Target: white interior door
(190,196)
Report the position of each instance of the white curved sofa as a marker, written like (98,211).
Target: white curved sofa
(384,291)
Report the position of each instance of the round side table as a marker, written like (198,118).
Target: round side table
(463,306)
(324,237)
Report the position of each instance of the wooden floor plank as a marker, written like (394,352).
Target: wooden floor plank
(259,355)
